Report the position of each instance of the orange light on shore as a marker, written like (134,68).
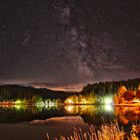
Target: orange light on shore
(83,101)
(69,101)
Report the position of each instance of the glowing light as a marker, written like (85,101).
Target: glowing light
(108,108)
(40,104)
(46,106)
(69,101)
(51,104)
(46,103)
(136,100)
(108,101)
(18,107)
(83,101)
(69,109)
(18,102)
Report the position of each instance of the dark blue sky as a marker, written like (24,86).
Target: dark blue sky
(69,41)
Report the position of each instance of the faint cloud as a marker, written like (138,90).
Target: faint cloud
(69,88)
(44,85)
(59,87)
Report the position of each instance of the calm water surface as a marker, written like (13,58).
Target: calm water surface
(15,120)
(92,114)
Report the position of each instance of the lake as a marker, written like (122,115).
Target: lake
(16,121)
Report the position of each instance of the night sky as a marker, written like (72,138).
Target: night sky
(67,42)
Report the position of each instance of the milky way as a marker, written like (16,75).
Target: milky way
(69,42)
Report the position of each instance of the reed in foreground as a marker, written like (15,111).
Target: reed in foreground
(106,132)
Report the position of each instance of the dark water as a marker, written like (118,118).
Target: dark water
(92,114)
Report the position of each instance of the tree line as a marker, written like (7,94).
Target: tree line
(104,88)
(13,92)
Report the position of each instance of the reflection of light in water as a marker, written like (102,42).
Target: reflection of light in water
(38,104)
(50,107)
(51,104)
(46,106)
(18,107)
(80,109)
(88,110)
(108,108)
(71,109)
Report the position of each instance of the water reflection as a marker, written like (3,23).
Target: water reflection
(20,113)
(34,109)
(70,109)
(88,109)
(92,114)
(127,114)
(108,108)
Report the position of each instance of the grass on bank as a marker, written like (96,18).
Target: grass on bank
(106,132)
